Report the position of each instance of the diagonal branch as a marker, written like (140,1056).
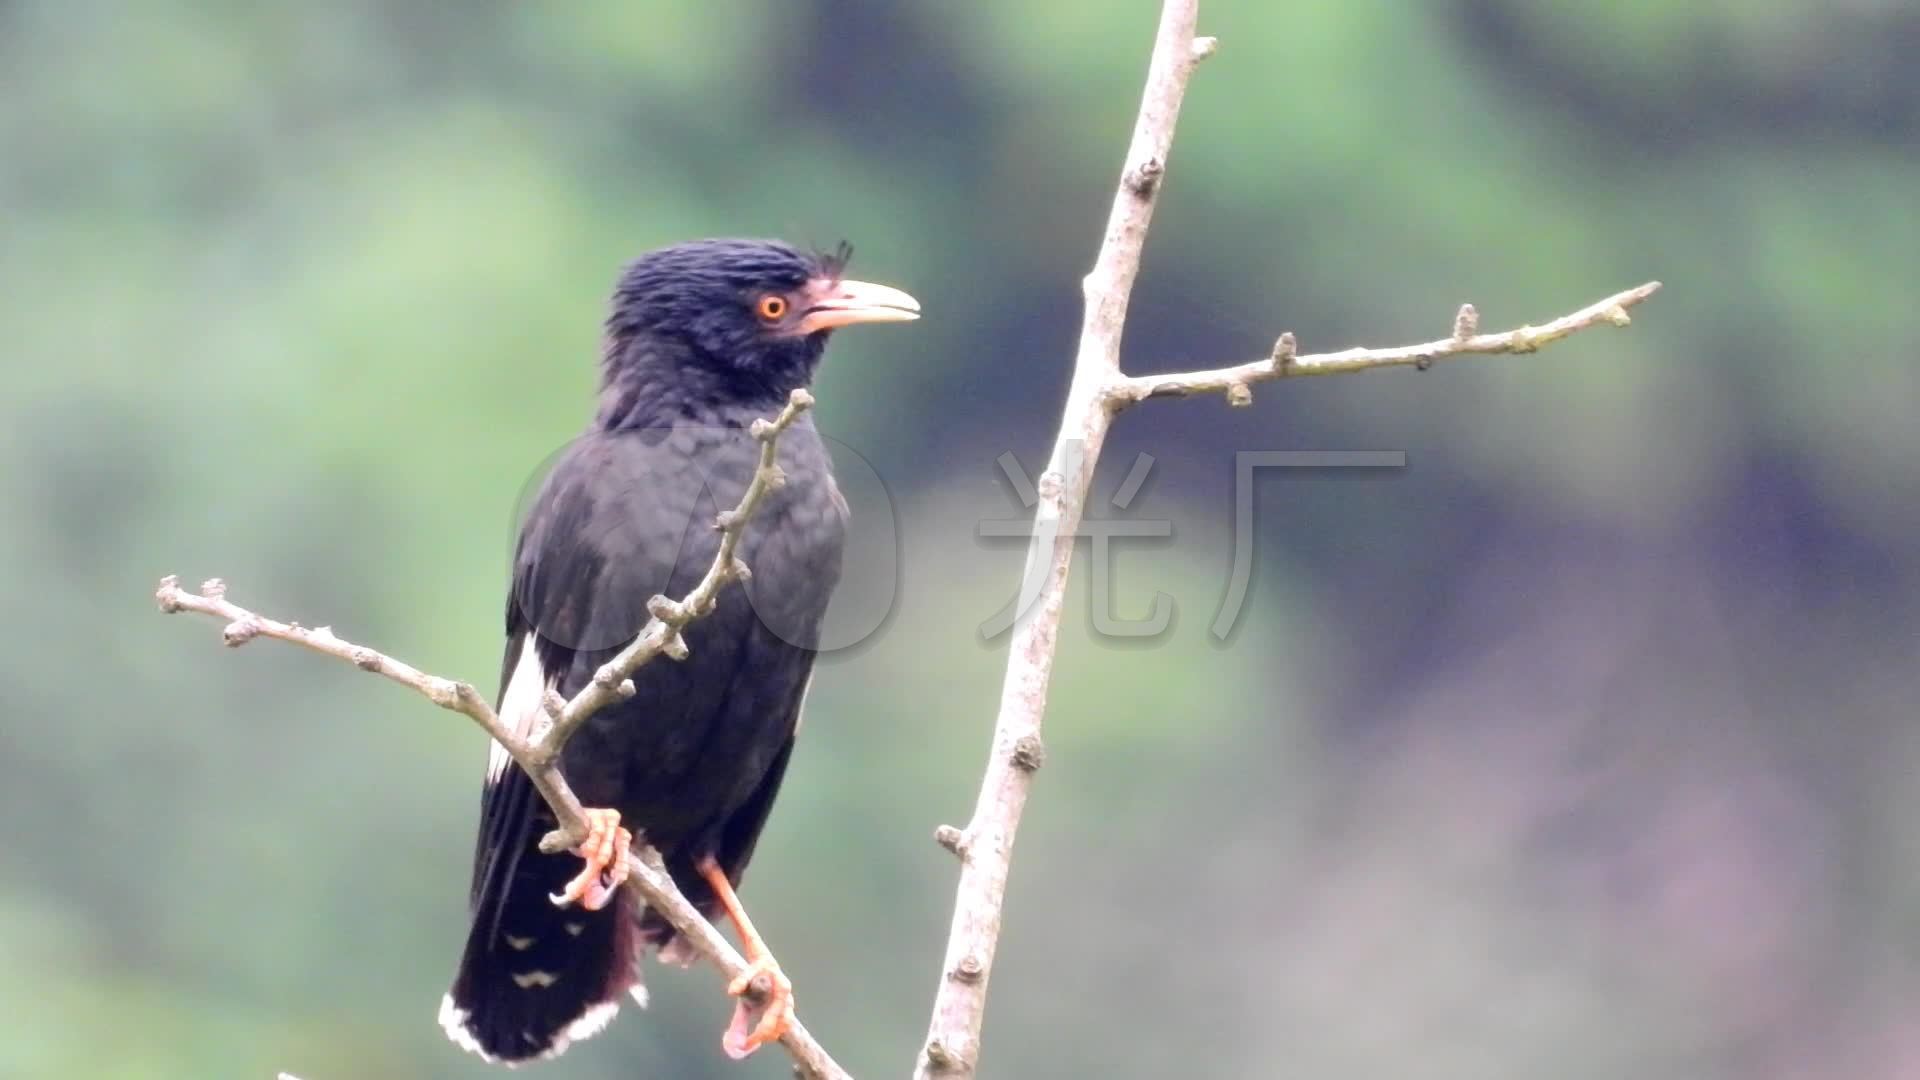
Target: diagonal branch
(540,757)
(1236,382)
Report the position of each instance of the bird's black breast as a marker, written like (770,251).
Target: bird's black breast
(627,515)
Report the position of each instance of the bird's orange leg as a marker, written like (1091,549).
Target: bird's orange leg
(605,850)
(778,1014)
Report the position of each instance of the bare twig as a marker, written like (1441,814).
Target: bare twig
(985,846)
(1098,392)
(662,633)
(540,758)
(1465,342)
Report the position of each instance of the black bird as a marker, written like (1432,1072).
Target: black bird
(703,339)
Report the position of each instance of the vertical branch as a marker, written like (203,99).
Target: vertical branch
(985,846)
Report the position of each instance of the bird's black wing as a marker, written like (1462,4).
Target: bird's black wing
(694,755)
(603,535)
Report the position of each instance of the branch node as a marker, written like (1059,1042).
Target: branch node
(1285,348)
(1051,486)
(1239,395)
(241,631)
(761,429)
(1466,322)
(666,610)
(776,477)
(800,400)
(1144,177)
(1204,47)
(1618,316)
(553,703)
(442,692)
(168,595)
(366,659)
(674,646)
(213,588)
(941,1058)
(1524,340)
(1423,362)
(739,571)
(954,840)
(970,969)
(1029,753)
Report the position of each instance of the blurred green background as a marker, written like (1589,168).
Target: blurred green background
(1583,747)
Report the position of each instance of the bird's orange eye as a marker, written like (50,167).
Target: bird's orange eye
(771,307)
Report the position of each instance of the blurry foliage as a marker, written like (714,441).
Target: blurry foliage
(1583,747)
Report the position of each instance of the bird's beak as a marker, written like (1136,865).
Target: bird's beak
(843,303)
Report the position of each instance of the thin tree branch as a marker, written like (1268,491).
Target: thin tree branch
(1236,382)
(662,634)
(540,757)
(1099,391)
(985,846)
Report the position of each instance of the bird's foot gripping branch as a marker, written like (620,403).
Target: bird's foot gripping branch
(605,853)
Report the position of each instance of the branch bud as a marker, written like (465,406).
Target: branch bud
(952,839)
(1466,322)
(1143,178)
(1284,350)
(442,692)
(1029,753)
(941,1058)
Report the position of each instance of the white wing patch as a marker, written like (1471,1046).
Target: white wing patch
(589,1024)
(800,712)
(522,707)
(453,1020)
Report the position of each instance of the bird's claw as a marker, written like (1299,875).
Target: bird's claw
(776,1013)
(605,851)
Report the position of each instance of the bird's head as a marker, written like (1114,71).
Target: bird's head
(749,315)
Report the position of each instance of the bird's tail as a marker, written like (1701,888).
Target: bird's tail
(534,977)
